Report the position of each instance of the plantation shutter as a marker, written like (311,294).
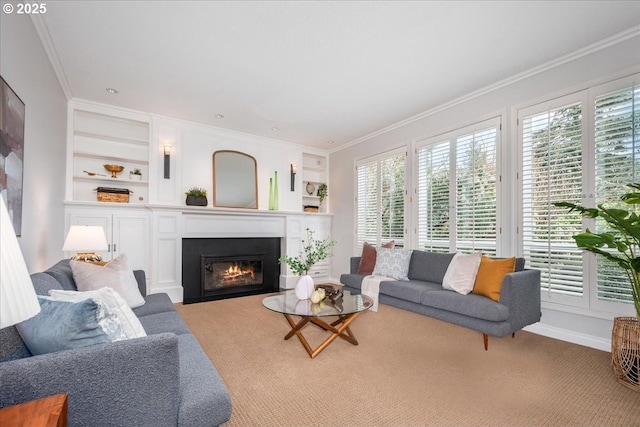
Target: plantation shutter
(381,200)
(552,172)
(367,204)
(433,197)
(476,192)
(617,162)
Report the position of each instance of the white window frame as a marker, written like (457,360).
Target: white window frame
(588,302)
(378,158)
(452,136)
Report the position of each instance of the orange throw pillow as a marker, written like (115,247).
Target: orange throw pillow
(369,255)
(490,276)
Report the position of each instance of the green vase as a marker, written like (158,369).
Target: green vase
(270,194)
(275,192)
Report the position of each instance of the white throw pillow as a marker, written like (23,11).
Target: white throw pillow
(461,273)
(393,263)
(129,321)
(115,274)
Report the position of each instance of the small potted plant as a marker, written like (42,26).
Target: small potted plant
(313,251)
(135,174)
(322,192)
(196,197)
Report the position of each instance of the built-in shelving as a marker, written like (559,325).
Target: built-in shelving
(314,173)
(99,137)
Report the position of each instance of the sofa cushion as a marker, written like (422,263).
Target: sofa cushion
(164,322)
(411,290)
(61,271)
(155,303)
(470,305)
(490,276)
(368,258)
(393,263)
(63,325)
(43,283)
(113,300)
(461,273)
(429,266)
(115,274)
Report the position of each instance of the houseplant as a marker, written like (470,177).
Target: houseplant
(620,245)
(313,251)
(135,174)
(196,196)
(322,192)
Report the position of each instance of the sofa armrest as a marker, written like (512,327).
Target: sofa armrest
(132,382)
(521,293)
(355,263)
(141,278)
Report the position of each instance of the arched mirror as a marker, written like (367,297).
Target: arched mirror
(234,180)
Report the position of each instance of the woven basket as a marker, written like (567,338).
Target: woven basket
(625,351)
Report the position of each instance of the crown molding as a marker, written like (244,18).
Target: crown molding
(45,38)
(593,48)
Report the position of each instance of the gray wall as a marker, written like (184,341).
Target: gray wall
(26,68)
(613,61)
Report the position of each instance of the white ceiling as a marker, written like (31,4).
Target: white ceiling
(318,71)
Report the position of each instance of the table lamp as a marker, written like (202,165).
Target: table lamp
(85,240)
(18,301)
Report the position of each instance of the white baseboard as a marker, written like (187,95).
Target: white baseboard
(570,336)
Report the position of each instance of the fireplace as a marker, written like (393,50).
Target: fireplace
(229,267)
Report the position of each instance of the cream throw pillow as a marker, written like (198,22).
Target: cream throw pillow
(115,274)
(461,273)
(129,321)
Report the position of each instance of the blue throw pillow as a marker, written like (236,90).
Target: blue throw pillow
(62,325)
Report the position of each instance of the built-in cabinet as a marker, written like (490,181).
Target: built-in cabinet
(150,232)
(97,137)
(126,229)
(314,174)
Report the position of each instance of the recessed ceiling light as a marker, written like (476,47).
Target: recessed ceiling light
(330,141)
(111,90)
(219,116)
(275,129)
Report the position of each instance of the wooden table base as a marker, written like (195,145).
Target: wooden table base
(342,330)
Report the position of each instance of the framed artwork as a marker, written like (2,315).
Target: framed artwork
(11,152)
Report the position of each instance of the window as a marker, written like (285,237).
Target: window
(583,148)
(617,163)
(457,179)
(380,200)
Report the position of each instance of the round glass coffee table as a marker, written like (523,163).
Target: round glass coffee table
(347,309)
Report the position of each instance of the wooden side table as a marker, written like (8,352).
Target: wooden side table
(49,411)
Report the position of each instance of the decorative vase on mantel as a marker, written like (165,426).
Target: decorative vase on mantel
(304,287)
(273,192)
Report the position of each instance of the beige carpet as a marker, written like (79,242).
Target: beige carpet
(409,370)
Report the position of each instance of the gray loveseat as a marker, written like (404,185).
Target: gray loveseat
(163,379)
(519,304)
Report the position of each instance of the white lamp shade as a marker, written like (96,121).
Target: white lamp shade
(85,238)
(18,299)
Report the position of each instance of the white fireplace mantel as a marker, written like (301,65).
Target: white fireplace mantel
(171,224)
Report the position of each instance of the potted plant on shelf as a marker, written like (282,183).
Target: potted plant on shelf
(196,197)
(322,192)
(313,251)
(620,245)
(135,174)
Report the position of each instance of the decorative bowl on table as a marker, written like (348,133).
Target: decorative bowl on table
(114,169)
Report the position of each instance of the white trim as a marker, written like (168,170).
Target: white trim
(570,336)
(45,38)
(588,50)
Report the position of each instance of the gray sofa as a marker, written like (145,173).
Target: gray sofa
(519,304)
(164,379)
